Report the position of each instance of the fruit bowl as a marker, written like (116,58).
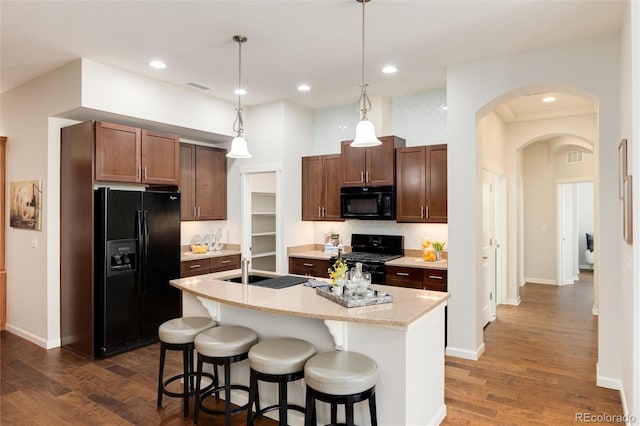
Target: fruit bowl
(199,248)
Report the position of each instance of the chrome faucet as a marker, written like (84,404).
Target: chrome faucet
(245,270)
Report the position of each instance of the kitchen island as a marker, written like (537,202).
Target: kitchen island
(406,338)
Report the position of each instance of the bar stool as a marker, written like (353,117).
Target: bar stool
(178,334)
(222,345)
(340,377)
(277,360)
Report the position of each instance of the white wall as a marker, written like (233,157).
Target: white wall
(588,69)
(628,263)
(539,198)
(492,142)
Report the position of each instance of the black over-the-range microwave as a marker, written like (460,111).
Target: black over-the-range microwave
(368,202)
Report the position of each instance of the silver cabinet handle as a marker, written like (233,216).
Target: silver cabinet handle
(366,176)
(426,212)
(198,211)
(195,214)
(226,261)
(319,211)
(361,176)
(194,266)
(435,277)
(421,211)
(145,172)
(308,264)
(402,274)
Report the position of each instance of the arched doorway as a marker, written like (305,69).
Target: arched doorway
(505,127)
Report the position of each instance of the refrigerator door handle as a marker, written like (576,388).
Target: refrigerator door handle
(140,231)
(145,257)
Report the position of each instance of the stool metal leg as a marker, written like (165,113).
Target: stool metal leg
(162,357)
(282,400)
(198,380)
(334,413)
(310,414)
(372,410)
(185,382)
(348,409)
(253,390)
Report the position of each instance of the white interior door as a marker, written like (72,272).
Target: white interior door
(488,247)
(566,235)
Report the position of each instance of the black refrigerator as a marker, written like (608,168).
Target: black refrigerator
(137,235)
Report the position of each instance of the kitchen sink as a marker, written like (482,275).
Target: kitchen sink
(252,279)
(272,282)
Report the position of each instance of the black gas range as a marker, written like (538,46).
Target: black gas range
(373,251)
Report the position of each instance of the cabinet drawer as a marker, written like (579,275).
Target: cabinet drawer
(224,263)
(403,277)
(311,267)
(435,279)
(194,267)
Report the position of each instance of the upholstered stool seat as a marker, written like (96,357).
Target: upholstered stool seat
(223,346)
(178,334)
(340,377)
(277,360)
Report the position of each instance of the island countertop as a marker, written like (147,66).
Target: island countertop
(302,301)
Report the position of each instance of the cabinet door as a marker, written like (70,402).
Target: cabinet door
(225,263)
(436,195)
(187,182)
(403,277)
(380,163)
(211,183)
(191,268)
(312,187)
(117,153)
(311,267)
(160,158)
(332,180)
(411,184)
(435,279)
(353,164)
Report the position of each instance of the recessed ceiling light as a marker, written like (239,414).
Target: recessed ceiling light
(549,99)
(240,91)
(389,69)
(304,87)
(157,65)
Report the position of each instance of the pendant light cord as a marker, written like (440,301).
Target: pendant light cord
(238,124)
(364,103)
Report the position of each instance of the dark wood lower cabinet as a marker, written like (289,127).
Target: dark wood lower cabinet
(310,267)
(191,268)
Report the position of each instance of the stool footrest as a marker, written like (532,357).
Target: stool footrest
(276,407)
(216,390)
(186,377)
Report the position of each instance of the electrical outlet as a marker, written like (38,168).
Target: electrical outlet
(34,242)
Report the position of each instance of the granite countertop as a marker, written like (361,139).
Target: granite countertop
(302,301)
(188,255)
(406,261)
(417,262)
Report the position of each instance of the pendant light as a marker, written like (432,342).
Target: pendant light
(365,133)
(239,143)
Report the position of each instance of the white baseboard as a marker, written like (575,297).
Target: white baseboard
(440,415)
(540,281)
(607,382)
(36,340)
(464,353)
(514,302)
(625,408)
(587,267)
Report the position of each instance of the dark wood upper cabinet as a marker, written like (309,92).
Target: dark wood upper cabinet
(118,153)
(372,166)
(421,178)
(129,154)
(321,181)
(203,182)
(160,158)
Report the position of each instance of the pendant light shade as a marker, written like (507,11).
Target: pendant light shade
(239,148)
(365,133)
(239,143)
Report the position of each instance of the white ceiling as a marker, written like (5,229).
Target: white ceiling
(312,41)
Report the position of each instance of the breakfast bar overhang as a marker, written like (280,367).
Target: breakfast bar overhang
(405,338)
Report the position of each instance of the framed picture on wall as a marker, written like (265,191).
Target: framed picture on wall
(622,166)
(26,205)
(627,209)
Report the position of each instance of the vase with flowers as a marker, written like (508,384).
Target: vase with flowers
(338,273)
(432,250)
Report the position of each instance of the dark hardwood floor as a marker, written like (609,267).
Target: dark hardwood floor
(538,368)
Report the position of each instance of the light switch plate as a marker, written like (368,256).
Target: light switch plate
(34,242)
